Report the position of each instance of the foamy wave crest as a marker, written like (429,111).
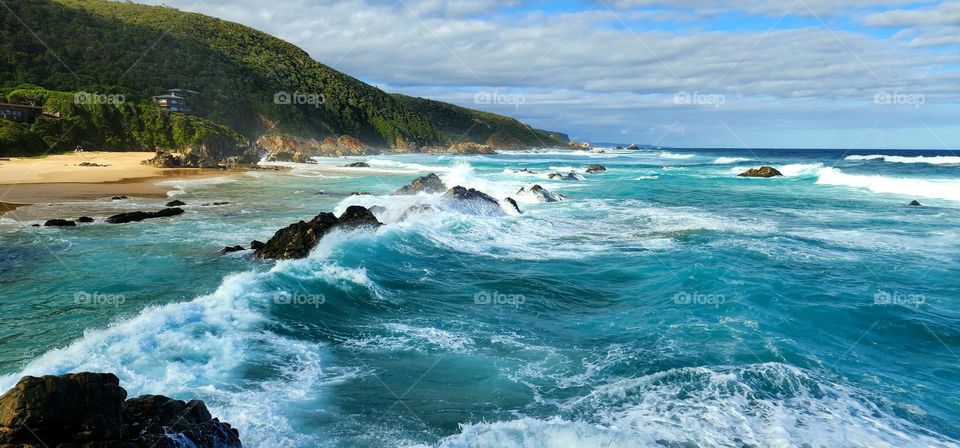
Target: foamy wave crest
(729,160)
(763,405)
(948,189)
(801,169)
(934,160)
(673,155)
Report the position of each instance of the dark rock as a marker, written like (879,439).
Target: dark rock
(256,245)
(89,410)
(118,198)
(214,204)
(430,183)
(357,165)
(59,223)
(633,147)
(140,216)
(596,168)
(915,204)
(763,171)
(35,225)
(514,204)
(470,194)
(618,147)
(91,164)
(297,240)
(231,249)
(568,176)
(85,219)
(175,203)
(540,194)
(359,193)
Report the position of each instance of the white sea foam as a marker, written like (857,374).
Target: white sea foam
(934,160)
(673,155)
(801,169)
(729,160)
(948,189)
(763,405)
(183,186)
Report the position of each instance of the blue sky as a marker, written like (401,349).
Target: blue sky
(696,73)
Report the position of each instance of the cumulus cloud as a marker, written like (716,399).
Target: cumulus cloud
(600,72)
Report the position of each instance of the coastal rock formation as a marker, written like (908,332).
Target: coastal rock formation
(596,169)
(357,165)
(513,203)
(285,148)
(569,176)
(470,148)
(475,201)
(59,223)
(175,203)
(633,147)
(297,240)
(231,249)
(91,410)
(763,171)
(85,219)
(123,218)
(915,203)
(418,209)
(256,245)
(430,183)
(540,194)
(203,156)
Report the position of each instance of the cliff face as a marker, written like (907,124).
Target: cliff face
(91,410)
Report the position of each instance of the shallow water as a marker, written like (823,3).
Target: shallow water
(664,302)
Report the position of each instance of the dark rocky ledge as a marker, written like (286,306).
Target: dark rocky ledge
(91,410)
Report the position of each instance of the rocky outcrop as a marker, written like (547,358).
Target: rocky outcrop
(231,249)
(297,240)
(202,156)
(569,176)
(91,410)
(417,209)
(513,204)
(357,165)
(470,194)
(256,245)
(915,204)
(430,183)
(763,171)
(123,218)
(175,203)
(85,219)
(463,148)
(285,148)
(633,147)
(596,169)
(539,194)
(60,223)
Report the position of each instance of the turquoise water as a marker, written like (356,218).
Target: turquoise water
(665,302)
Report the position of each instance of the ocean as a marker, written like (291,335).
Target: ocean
(664,302)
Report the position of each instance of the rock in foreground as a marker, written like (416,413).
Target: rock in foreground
(539,194)
(91,410)
(763,171)
(297,240)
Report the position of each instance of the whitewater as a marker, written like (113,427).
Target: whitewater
(663,302)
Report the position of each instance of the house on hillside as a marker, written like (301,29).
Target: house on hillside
(175,101)
(19,112)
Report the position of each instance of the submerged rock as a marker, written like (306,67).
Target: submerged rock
(91,410)
(763,171)
(123,218)
(85,219)
(540,194)
(357,165)
(470,194)
(175,203)
(513,203)
(59,223)
(297,240)
(417,209)
(231,249)
(596,169)
(430,183)
(915,204)
(118,198)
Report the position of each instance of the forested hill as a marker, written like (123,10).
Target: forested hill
(141,51)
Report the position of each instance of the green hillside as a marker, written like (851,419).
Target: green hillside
(141,51)
(462,124)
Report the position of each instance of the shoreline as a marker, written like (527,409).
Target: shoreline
(60,178)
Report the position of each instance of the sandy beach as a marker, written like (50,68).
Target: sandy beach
(61,177)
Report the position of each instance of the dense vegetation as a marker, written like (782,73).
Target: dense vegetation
(459,124)
(140,51)
(108,126)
